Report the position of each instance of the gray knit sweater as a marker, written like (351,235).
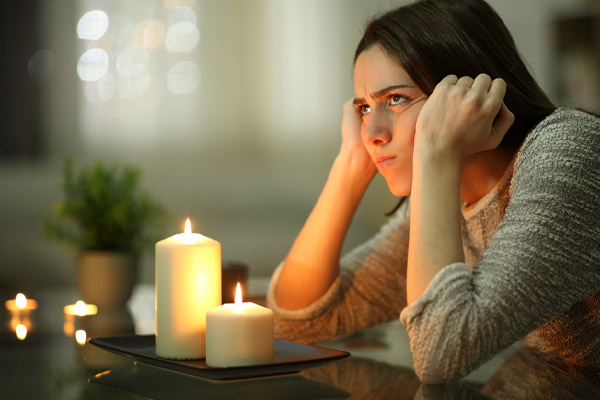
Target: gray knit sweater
(532,269)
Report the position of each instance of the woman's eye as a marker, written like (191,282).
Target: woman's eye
(396,99)
(364,109)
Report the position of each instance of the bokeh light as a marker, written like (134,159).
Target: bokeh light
(183,77)
(148,34)
(102,90)
(92,65)
(92,25)
(133,82)
(133,75)
(182,37)
(41,65)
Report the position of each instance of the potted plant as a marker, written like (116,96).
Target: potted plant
(109,221)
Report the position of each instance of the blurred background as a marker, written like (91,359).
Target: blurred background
(231,109)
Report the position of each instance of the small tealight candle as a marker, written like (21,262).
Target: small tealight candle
(79,309)
(239,334)
(20,304)
(20,309)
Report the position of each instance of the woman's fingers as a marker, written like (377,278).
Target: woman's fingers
(482,83)
(497,88)
(465,82)
(465,115)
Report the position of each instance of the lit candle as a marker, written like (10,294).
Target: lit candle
(20,304)
(79,309)
(20,309)
(239,334)
(188,284)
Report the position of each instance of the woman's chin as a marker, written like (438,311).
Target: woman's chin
(399,189)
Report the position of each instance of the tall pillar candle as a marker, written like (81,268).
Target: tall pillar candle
(188,284)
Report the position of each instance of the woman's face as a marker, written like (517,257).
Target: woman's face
(389,103)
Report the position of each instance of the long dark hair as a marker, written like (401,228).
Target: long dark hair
(435,38)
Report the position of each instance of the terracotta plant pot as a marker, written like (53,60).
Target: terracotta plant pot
(106,278)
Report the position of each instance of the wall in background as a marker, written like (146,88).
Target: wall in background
(233,117)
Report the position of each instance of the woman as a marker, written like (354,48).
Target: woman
(500,239)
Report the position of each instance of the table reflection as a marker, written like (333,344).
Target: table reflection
(159,384)
(524,375)
(51,364)
(107,322)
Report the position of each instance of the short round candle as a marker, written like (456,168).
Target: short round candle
(188,284)
(20,304)
(81,309)
(239,334)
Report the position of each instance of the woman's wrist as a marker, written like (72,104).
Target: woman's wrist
(355,168)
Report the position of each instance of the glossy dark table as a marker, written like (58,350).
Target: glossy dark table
(50,364)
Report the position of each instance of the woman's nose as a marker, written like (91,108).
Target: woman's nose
(377,130)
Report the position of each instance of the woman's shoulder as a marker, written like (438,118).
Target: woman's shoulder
(565,134)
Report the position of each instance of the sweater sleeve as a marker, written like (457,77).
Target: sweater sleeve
(542,260)
(370,290)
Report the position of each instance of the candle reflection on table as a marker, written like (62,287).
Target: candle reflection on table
(102,322)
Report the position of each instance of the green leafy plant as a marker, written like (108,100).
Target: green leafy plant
(105,209)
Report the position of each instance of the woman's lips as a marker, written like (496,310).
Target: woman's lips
(384,162)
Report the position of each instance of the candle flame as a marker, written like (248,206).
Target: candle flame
(21,300)
(238,294)
(21,331)
(80,308)
(188,226)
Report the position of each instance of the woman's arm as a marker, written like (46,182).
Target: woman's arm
(370,290)
(312,264)
(461,117)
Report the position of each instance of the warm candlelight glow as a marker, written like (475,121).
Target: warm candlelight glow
(21,331)
(238,294)
(81,309)
(20,303)
(80,336)
(21,300)
(187,286)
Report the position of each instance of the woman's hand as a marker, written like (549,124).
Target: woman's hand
(463,116)
(352,146)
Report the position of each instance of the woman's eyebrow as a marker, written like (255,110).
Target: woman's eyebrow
(382,92)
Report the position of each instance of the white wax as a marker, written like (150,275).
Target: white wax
(188,284)
(238,335)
